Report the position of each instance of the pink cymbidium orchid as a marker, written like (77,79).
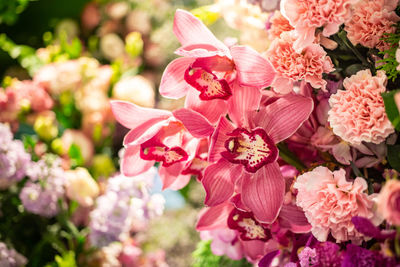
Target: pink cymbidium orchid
(208,66)
(244,153)
(159,136)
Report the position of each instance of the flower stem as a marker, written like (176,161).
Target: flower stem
(290,157)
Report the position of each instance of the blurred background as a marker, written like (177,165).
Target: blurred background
(61,63)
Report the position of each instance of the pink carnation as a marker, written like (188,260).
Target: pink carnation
(278,24)
(371,19)
(309,65)
(308,15)
(389,202)
(330,202)
(358,113)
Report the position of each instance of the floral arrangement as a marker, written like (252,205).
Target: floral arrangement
(295,146)
(281,136)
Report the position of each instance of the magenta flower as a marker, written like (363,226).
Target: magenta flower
(209,66)
(158,135)
(244,152)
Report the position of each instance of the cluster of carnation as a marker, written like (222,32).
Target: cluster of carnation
(45,187)
(125,204)
(14,161)
(247,117)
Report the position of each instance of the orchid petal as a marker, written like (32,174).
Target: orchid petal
(145,132)
(254,249)
(214,217)
(132,116)
(267,259)
(365,226)
(252,69)
(173,84)
(194,122)
(132,164)
(198,50)
(189,30)
(282,118)
(243,100)
(171,176)
(294,217)
(217,181)
(218,138)
(211,109)
(263,192)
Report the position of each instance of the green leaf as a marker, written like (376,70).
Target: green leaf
(75,155)
(393,156)
(391,108)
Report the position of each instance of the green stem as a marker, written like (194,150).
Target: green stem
(341,38)
(290,157)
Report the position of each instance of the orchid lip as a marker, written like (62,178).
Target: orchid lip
(168,156)
(248,226)
(208,84)
(253,149)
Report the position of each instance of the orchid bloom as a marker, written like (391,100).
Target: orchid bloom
(244,153)
(208,66)
(157,135)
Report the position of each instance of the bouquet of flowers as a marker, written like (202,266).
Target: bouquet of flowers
(296,147)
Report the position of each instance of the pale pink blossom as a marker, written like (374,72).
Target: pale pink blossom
(33,95)
(370,20)
(81,187)
(358,113)
(79,139)
(278,24)
(308,15)
(137,90)
(290,66)
(224,242)
(330,202)
(389,202)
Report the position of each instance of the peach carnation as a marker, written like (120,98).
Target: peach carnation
(330,202)
(371,19)
(308,15)
(309,65)
(358,113)
(278,24)
(389,202)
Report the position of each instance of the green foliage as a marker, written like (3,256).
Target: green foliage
(391,108)
(25,55)
(10,9)
(67,114)
(66,260)
(389,62)
(203,257)
(75,155)
(393,156)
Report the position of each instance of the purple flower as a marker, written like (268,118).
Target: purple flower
(10,258)
(356,256)
(41,193)
(125,202)
(308,257)
(14,160)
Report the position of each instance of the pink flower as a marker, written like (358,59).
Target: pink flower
(244,153)
(370,20)
(307,65)
(330,202)
(224,242)
(158,135)
(358,113)
(33,94)
(278,24)
(308,15)
(389,202)
(209,67)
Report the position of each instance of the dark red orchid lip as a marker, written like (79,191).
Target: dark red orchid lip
(253,149)
(168,156)
(208,84)
(248,226)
